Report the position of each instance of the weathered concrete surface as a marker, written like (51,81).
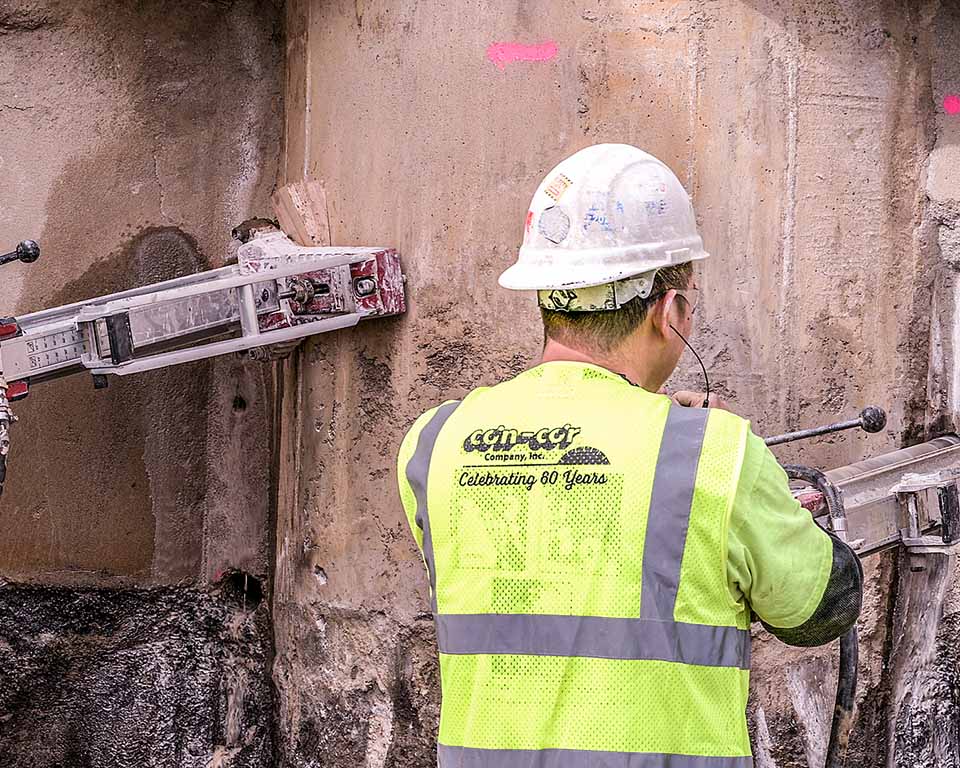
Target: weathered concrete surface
(802,129)
(133,137)
(924,697)
(923,671)
(163,677)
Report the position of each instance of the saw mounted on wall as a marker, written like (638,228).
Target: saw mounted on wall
(277,293)
(907,498)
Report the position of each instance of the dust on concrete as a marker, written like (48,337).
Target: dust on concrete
(924,666)
(377,392)
(16,17)
(369,699)
(157,532)
(138,135)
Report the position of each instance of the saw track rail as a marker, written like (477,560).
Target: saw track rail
(278,292)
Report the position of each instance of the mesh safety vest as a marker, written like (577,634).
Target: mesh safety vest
(574,530)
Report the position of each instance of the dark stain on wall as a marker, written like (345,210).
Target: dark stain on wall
(163,677)
(82,464)
(135,135)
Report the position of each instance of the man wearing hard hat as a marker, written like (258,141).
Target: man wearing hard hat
(596,551)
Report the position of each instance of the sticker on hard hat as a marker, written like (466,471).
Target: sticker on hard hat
(596,215)
(595,298)
(554,224)
(557,187)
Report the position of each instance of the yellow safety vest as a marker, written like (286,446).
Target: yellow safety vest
(574,529)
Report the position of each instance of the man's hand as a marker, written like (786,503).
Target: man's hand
(695,400)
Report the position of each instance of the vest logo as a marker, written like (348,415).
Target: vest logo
(504,439)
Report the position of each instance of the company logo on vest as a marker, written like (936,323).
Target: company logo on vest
(504,439)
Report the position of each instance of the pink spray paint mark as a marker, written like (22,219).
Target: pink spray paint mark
(951,104)
(502,54)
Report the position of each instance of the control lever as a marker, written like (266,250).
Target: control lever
(27,251)
(871,419)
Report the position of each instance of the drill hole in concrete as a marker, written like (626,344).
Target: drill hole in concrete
(241,590)
(239,403)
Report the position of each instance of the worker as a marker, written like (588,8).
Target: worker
(596,550)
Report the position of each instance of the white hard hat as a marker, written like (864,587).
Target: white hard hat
(607,214)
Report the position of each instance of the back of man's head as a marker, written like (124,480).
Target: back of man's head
(604,331)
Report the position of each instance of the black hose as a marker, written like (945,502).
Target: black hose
(849,644)
(846,699)
(831,494)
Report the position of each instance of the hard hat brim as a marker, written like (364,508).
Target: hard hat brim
(531,275)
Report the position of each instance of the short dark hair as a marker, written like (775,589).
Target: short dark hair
(605,330)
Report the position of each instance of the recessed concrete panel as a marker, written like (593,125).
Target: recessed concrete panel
(133,137)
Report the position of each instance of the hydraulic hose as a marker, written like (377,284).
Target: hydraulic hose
(842,720)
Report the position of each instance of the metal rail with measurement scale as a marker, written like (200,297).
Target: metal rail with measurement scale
(277,293)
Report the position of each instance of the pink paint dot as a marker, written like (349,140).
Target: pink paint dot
(951,104)
(502,54)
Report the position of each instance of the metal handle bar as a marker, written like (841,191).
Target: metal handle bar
(28,251)
(871,419)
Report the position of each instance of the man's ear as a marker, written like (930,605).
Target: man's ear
(661,313)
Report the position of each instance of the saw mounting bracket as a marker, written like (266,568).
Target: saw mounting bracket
(925,501)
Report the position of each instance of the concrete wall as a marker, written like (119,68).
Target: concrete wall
(803,131)
(133,137)
(923,703)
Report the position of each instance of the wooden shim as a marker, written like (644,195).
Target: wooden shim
(301,209)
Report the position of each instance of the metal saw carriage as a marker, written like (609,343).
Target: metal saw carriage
(277,293)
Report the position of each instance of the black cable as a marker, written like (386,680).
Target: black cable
(706,379)
(842,722)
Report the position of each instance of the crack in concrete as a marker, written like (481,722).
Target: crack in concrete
(16,108)
(156,176)
(788,225)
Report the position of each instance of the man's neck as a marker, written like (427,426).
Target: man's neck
(555,351)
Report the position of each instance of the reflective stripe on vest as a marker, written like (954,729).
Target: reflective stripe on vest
(467,757)
(596,636)
(670,503)
(417,470)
